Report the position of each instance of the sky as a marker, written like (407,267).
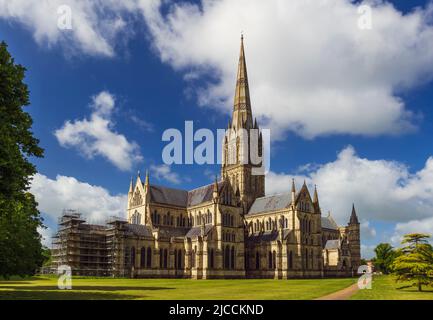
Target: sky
(349,106)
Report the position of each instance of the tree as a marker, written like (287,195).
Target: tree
(416,260)
(20,247)
(385,255)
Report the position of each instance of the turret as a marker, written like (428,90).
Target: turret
(354,238)
(293,192)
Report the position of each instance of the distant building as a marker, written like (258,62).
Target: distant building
(227,229)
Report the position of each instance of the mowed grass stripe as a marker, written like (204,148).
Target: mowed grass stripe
(156,289)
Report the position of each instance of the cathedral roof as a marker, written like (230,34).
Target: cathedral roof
(170,196)
(332,244)
(268,236)
(270,203)
(194,232)
(182,198)
(329,223)
(202,194)
(139,230)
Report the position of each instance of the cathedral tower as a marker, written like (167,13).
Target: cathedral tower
(354,240)
(242,146)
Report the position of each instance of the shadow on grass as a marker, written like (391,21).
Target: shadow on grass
(62,295)
(84,288)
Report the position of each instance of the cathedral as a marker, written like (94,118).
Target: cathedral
(227,229)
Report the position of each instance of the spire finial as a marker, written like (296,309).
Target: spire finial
(147,177)
(316,196)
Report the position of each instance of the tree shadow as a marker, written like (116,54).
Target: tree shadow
(62,295)
(85,288)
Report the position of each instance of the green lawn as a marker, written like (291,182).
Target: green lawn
(108,288)
(385,288)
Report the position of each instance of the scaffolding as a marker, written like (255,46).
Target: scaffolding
(81,246)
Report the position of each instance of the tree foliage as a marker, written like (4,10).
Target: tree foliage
(20,247)
(385,255)
(415,264)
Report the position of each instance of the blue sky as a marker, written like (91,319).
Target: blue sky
(148,74)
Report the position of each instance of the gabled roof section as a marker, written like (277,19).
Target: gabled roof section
(270,203)
(329,223)
(183,198)
(332,244)
(203,194)
(194,232)
(139,230)
(304,190)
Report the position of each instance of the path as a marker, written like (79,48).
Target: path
(343,294)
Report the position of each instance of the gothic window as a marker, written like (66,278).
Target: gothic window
(172,221)
(267,225)
(161,258)
(165,258)
(274,260)
(257,260)
(269,260)
(133,256)
(212,259)
(227,258)
(232,258)
(136,199)
(175,258)
(177,222)
(158,219)
(164,220)
(306,258)
(286,223)
(149,257)
(290,259)
(143,257)
(126,257)
(179,259)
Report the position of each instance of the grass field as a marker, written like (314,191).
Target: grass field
(385,288)
(108,288)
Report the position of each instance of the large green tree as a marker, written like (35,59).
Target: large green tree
(415,264)
(20,247)
(385,255)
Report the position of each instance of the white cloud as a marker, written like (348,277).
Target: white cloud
(95,136)
(163,172)
(46,234)
(413,226)
(96,24)
(94,202)
(311,69)
(367,251)
(381,190)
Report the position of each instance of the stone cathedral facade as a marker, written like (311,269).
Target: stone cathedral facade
(229,228)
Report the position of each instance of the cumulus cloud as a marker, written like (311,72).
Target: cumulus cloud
(382,190)
(163,172)
(46,234)
(96,136)
(312,70)
(94,202)
(96,25)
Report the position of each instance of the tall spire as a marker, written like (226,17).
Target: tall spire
(315,196)
(242,115)
(131,186)
(353,216)
(293,191)
(147,178)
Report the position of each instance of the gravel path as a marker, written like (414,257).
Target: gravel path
(343,294)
